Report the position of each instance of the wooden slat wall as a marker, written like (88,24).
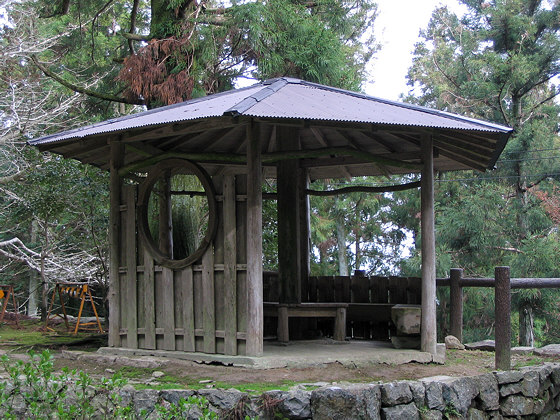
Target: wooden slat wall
(202,307)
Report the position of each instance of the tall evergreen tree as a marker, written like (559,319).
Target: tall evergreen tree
(498,62)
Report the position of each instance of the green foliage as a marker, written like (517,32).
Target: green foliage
(192,406)
(37,388)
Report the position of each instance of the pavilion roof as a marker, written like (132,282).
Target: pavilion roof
(344,123)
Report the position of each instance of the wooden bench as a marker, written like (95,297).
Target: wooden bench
(283,311)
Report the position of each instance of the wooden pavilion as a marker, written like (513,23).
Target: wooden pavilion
(210,299)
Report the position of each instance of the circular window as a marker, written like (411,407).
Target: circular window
(177,212)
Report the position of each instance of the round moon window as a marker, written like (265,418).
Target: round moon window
(177,212)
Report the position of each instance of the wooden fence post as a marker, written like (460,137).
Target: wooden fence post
(503,318)
(456,303)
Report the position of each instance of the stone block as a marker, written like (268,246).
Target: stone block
(407,318)
(517,405)
(399,412)
(460,392)
(295,404)
(395,393)
(333,403)
(406,342)
(434,395)
(488,393)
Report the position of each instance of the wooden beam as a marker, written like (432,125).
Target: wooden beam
(365,189)
(428,336)
(254,343)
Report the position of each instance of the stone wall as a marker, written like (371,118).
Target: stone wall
(527,393)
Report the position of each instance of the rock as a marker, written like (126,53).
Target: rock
(145,400)
(528,386)
(395,393)
(407,318)
(223,399)
(431,415)
(474,414)
(549,350)
(206,381)
(508,376)
(517,405)
(173,396)
(434,394)
(399,412)
(293,404)
(418,393)
(486,345)
(550,416)
(157,374)
(460,392)
(522,350)
(452,342)
(333,403)
(488,393)
(405,342)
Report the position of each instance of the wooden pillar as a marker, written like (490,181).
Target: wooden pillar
(254,244)
(502,318)
(456,303)
(289,263)
(305,233)
(428,339)
(116,158)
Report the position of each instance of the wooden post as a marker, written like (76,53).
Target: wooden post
(456,303)
(305,233)
(254,343)
(428,337)
(503,318)
(289,263)
(114,243)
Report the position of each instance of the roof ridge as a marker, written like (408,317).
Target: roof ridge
(269,87)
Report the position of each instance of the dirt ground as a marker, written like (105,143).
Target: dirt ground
(16,342)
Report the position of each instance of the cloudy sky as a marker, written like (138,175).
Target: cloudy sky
(397,28)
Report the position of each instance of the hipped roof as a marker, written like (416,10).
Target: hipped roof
(352,128)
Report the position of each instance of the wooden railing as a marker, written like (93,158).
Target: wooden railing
(369,300)
(502,284)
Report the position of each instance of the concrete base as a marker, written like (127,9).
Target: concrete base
(299,354)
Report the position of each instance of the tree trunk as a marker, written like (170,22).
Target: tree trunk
(341,240)
(526,336)
(34,283)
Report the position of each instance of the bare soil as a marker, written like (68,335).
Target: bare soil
(16,342)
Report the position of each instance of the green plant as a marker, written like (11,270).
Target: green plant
(450,411)
(197,406)
(35,391)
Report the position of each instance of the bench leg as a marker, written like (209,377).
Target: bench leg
(340,324)
(283,329)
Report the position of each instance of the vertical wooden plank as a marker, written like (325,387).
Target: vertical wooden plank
(131,276)
(187,287)
(428,339)
(230,268)
(313,289)
(208,303)
(165,224)
(325,288)
(149,302)
(114,241)
(255,321)
(241,227)
(168,310)
(346,293)
(338,289)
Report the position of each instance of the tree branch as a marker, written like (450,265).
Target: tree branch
(79,89)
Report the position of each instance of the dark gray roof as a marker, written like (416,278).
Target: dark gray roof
(329,117)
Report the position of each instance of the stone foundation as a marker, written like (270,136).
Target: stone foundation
(528,393)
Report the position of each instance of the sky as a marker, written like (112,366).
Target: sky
(396,28)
